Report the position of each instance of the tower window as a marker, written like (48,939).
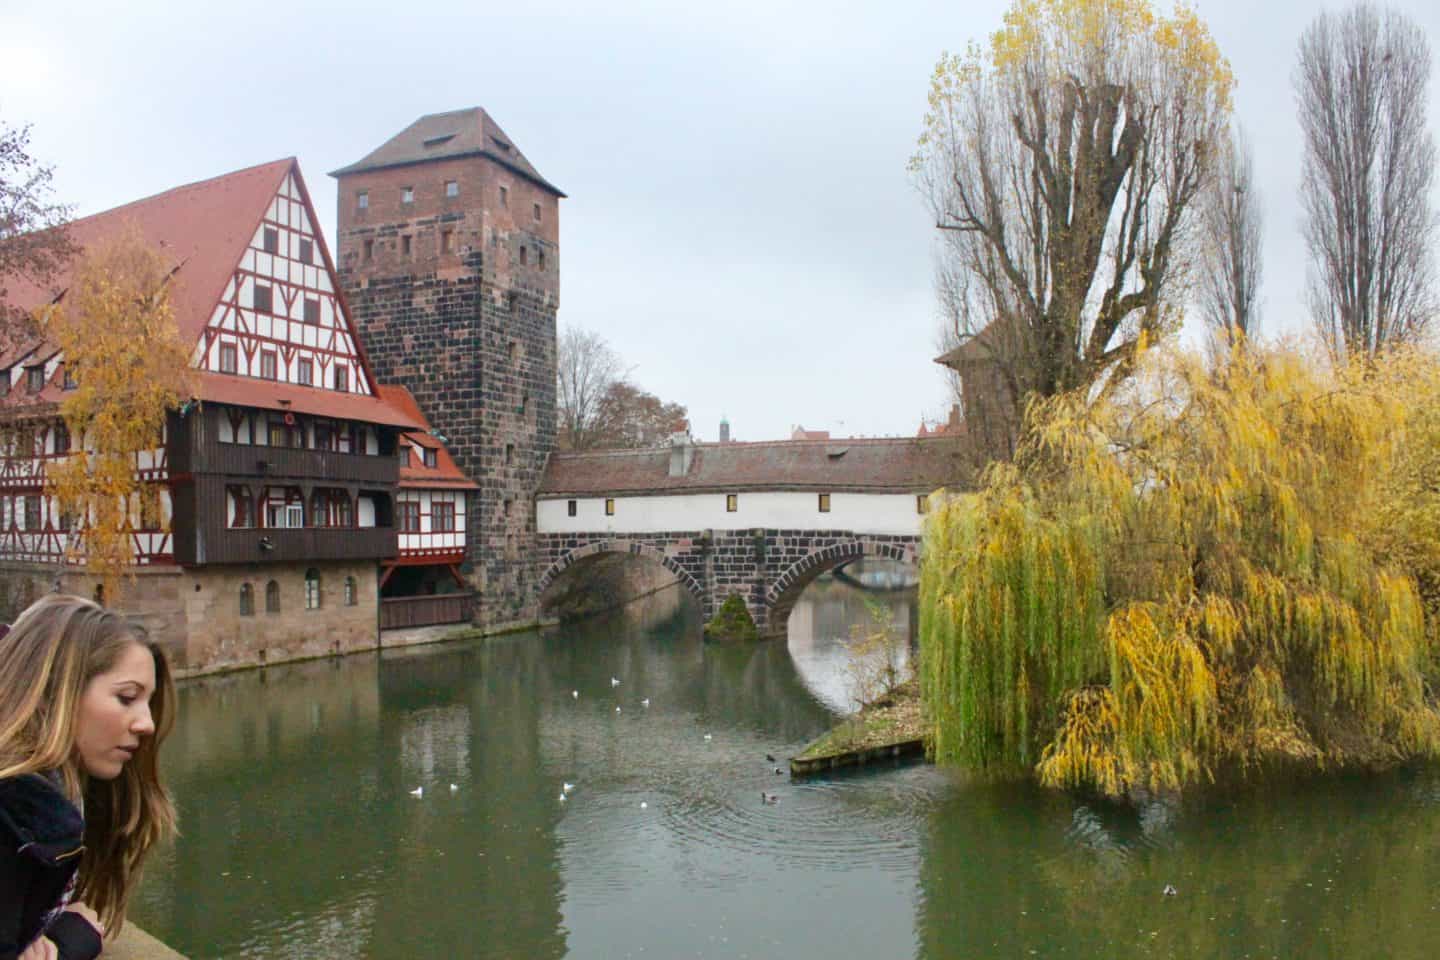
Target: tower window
(732,502)
(824,503)
(523,255)
(509,454)
(540,259)
(922,503)
(609,506)
(271,240)
(369,249)
(536,209)
(407,194)
(452,188)
(570,508)
(405,245)
(504,196)
(362,200)
(447,241)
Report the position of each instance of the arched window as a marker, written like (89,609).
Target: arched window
(247,600)
(351,592)
(272,597)
(312,589)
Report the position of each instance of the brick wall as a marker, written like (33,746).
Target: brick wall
(471,332)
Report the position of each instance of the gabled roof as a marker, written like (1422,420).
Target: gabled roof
(201,228)
(444,136)
(446,473)
(861,466)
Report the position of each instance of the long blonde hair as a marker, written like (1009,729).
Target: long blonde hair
(47,659)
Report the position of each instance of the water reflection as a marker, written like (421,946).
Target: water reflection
(301,838)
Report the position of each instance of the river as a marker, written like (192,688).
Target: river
(302,838)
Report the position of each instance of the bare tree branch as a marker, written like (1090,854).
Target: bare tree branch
(1369,167)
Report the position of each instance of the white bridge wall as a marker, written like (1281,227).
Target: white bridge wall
(884,513)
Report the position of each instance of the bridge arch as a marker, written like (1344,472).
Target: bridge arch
(786,588)
(597,547)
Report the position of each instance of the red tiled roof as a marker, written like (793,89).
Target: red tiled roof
(876,466)
(290,397)
(445,473)
(202,228)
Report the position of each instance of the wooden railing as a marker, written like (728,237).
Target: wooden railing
(400,612)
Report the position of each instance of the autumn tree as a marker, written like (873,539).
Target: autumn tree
(629,417)
(122,348)
(1232,227)
(586,368)
(1208,571)
(1361,85)
(1062,164)
(33,243)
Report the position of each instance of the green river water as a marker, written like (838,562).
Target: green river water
(302,837)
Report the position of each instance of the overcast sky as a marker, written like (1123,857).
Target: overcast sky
(740,224)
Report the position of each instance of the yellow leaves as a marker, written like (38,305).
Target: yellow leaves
(119,340)
(1264,535)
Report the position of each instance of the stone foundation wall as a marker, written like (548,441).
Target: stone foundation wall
(194,614)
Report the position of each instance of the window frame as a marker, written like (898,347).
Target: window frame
(824,503)
(442,516)
(570,508)
(272,597)
(269,365)
(732,503)
(314,593)
(268,296)
(341,378)
(230,352)
(362,199)
(305,371)
(407,516)
(247,599)
(609,506)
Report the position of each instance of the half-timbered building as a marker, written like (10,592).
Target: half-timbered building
(273,501)
(425,583)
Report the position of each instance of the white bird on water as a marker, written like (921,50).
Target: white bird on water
(574,694)
(707,736)
(645,702)
(614,682)
(567,787)
(643,805)
(454,788)
(562,797)
(617,709)
(418,792)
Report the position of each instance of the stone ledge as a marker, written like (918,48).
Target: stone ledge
(135,944)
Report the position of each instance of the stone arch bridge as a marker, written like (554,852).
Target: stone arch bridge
(761,520)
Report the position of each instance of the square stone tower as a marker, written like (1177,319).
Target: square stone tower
(449,259)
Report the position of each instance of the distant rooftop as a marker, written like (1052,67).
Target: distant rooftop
(443,136)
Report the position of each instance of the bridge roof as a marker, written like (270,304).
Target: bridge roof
(902,465)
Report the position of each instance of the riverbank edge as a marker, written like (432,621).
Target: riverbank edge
(891,728)
(445,633)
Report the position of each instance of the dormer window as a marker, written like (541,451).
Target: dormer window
(404,455)
(35,379)
(429,455)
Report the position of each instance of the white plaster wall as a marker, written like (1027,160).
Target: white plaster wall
(890,513)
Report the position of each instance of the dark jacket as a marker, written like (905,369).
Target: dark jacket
(41,839)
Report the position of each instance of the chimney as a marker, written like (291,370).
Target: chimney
(682,452)
(724,430)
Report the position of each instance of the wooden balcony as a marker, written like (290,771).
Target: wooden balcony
(400,612)
(214,543)
(194,449)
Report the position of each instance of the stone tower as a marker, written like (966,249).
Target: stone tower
(449,258)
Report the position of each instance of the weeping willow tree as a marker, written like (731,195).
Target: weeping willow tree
(1205,571)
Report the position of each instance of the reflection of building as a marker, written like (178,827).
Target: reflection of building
(263,516)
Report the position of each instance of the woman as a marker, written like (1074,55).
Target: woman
(85,701)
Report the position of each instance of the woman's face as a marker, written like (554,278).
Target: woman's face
(115,713)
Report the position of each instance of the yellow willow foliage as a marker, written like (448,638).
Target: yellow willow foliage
(120,341)
(1239,587)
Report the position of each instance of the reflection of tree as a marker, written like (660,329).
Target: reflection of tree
(1330,868)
